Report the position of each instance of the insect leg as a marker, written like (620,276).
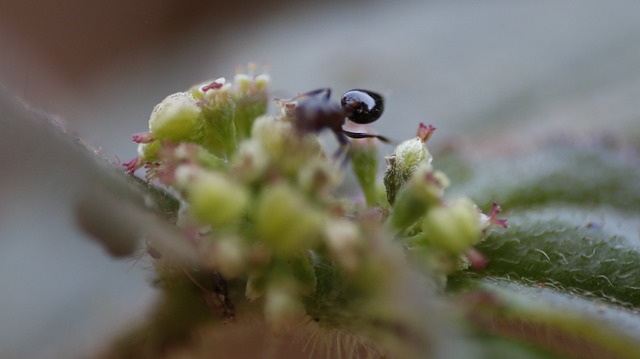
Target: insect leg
(325,92)
(344,148)
(365,135)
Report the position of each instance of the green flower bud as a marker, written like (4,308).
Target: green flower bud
(214,198)
(148,152)
(364,160)
(248,109)
(410,154)
(454,227)
(262,81)
(243,83)
(218,111)
(285,221)
(407,157)
(287,149)
(423,191)
(177,118)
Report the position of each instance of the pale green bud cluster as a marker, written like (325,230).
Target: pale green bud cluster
(218,118)
(286,221)
(284,147)
(208,192)
(260,204)
(264,213)
(148,152)
(454,226)
(251,97)
(404,161)
(176,118)
(215,114)
(364,160)
(416,191)
(423,190)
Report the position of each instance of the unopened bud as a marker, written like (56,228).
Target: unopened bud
(242,83)
(364,160)
(454,227)
(218,113)
(286,221)
(251,103)
(407,157)
(215,199)
(148,152)
(176,118)
(287,149)
(262,81)
(423,191)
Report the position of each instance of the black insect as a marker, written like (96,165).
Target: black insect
(314,111)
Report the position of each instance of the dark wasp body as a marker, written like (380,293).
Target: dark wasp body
(314,112)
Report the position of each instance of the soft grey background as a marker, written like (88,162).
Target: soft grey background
(490,75)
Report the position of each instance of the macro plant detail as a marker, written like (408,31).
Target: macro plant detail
(262,244)
(303,210)
(258,204)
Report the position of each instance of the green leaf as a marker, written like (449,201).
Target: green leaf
(562,274)
(592,251)
(560,323)
(573,215)
(581,175)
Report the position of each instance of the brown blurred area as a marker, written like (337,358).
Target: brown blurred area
(73,39)
(99,67)
(492,76)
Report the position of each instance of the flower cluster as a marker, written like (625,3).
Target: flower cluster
(215,115)
(259,204)
(420,213)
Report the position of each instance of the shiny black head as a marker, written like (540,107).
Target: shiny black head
(314,111)
(362,106)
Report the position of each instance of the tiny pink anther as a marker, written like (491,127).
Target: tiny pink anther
(213,86)
(132,166)
(493,216)
(478,260)
(142,137)
(424,132)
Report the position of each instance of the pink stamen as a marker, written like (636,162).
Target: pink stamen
(424,132)
(477,260)
(213,86)
(493,214)
(142,137)
(132,166)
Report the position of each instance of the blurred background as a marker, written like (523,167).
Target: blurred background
(492,76)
